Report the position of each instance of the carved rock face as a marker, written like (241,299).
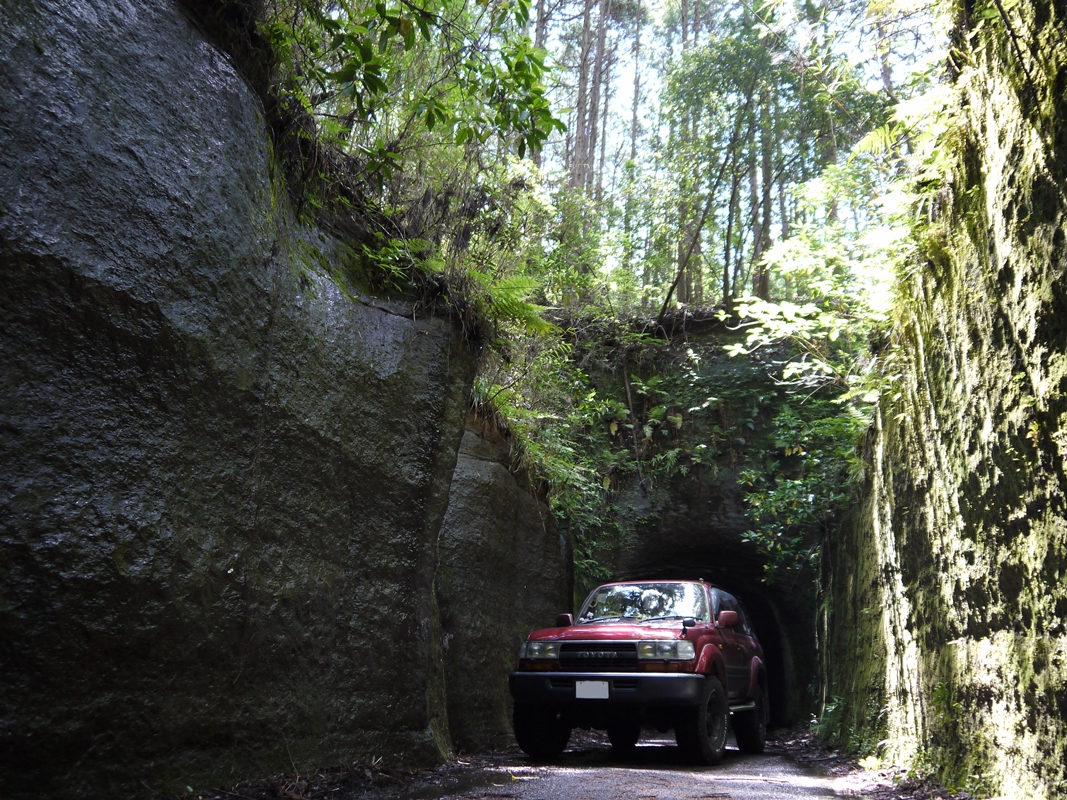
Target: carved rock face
(503,571)
(221,482)
(948,594)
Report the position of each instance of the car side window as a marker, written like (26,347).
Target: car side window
(729,602)
(743,615)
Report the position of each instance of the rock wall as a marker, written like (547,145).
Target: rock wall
(503,572)
(959,564)
(222,480)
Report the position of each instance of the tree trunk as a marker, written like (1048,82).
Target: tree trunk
(631,167)
(593,138)
(697,270)
(783,214)
(684,210)
(540,31)
(610,62)
(883,57)
(637,81)
(727,261)
(761,282)
(753,195)
(579,140)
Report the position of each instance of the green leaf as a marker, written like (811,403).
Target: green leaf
(347,73)
(423,21)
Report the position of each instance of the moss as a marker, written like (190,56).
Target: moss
(962,532)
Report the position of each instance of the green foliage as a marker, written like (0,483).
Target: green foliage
(466,74)
(688,410)
(860,732)
(636,413)
(405,124)
(429,108)
(795,495)
(392,265)
(567,262)
(505,300)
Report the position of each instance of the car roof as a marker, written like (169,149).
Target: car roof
(653,580)
(659,580)
(700,581)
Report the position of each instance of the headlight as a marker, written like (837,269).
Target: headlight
(539,650)
(666,650)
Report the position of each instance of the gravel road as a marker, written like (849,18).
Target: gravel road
(587,771)
(794,766)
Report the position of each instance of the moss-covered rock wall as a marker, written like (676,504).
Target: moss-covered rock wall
(503,571)
(948,602)
(222,479)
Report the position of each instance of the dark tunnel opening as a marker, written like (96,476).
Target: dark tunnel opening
(694,529)
(765,624)
(784,623)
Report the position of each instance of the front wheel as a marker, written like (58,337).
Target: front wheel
(750,727)
(701,734)
(541,732)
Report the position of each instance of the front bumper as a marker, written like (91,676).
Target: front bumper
(649,690)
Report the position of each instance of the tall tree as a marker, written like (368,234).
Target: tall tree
(579,133)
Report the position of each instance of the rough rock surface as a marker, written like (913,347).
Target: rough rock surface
(221,480)
(502,573)
(950,598)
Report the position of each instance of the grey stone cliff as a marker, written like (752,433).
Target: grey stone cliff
(222,479)
(502,573)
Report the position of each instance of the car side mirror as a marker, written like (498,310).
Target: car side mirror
(564,620)
(728,619)
(688,622)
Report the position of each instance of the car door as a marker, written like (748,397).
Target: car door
(735,649)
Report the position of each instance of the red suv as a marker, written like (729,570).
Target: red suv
(663,654)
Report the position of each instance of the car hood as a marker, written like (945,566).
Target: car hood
(606,631)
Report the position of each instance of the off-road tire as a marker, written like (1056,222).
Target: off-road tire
(540,731)
(750,727)
(701,732)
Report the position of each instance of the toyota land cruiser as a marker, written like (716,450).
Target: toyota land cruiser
(663,654)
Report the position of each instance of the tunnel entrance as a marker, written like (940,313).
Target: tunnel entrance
(785,630)
(695,533)
(780,677)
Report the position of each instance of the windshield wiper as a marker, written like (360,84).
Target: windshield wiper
(664,616)
(608,619)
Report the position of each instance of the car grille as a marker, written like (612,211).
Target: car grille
(598,657)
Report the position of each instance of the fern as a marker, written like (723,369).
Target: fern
(885,139)
(506,299)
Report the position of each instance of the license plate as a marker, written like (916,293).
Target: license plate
(591,690)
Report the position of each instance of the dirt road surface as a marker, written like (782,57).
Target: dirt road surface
(657,771)
(795,765)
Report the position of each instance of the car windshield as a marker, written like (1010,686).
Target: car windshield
(644,601)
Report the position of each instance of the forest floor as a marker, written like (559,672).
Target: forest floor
(793,756)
